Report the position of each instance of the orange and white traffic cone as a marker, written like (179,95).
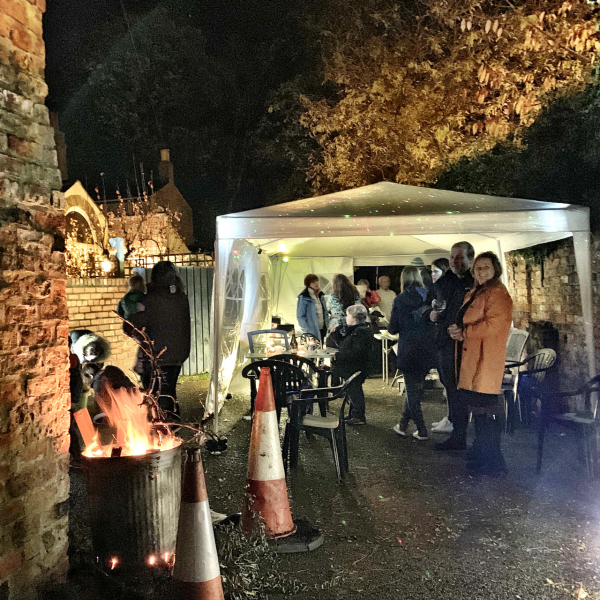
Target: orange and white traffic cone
(196,561)
(266,490)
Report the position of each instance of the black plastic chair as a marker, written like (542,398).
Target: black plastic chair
(287,378)
(309,338)
(537,366)
(331,427)
(584,423)
(307,365)
(267,334)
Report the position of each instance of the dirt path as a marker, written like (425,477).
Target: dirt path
(409,522)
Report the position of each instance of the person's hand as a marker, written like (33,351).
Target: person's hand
(434,315)
(456,332)
(141,307)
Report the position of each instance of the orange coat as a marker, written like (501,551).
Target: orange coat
(486,327)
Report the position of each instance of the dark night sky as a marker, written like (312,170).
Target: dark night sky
(79,34)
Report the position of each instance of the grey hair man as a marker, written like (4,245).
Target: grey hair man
(452,288)
(387,296)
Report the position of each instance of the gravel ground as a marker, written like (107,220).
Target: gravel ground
(408,522)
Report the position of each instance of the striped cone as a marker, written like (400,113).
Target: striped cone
(196,560)
(266,490)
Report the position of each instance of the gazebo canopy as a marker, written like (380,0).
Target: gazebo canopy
(388,223)
(417,221)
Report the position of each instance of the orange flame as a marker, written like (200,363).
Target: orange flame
(128,416)
(113,563)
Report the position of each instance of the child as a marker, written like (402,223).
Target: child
(128,304)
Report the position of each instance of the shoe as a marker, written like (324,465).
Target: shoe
(216,517)
(356,421)
(451,444)
(444,426)
(420,436)
(442,422)
(399,430)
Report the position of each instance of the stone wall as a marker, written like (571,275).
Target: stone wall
(34,395)
(546,295)
(91,305)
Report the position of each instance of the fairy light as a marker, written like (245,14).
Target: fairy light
(113,562)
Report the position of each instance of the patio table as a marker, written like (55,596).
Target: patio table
(385,339)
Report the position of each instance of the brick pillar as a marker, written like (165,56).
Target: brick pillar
(34,394)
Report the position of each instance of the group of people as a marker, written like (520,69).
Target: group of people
(162,313)
(458,324)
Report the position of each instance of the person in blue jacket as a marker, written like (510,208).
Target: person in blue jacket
(416,347)
(311,312)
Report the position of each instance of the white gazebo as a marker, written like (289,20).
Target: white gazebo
(262,255)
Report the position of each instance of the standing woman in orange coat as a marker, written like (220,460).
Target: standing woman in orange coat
(481,332)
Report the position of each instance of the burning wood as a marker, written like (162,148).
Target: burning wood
(127,415)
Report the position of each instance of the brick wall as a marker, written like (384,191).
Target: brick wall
(34,398)
(547,295)
(91,305)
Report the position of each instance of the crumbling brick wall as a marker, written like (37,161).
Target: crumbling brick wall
(34,396)
(546,294)
(91,305)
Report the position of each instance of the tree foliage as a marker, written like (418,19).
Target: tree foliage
(558,160)
(417,93)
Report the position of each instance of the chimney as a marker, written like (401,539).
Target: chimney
(165,168)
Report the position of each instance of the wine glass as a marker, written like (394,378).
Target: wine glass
(439,305)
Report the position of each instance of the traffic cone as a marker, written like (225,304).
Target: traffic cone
(266,490)
(196,560)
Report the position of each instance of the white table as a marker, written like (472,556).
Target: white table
(385,339)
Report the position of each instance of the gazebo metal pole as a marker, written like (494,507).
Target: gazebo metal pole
(216,330)
(581,243)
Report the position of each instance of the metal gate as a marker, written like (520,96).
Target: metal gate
(197,284)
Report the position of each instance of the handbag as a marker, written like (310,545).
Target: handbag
(334,339)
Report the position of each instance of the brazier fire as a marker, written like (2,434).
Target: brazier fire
(133,478)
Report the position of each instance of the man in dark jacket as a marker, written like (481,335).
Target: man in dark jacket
(452,288)
(166,319)
(355,354)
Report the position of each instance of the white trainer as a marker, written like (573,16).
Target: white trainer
(216,517)
(420,437)
(442,422)
(446,427)
(399,430)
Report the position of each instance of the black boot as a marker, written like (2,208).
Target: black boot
(490,460)
(474,451)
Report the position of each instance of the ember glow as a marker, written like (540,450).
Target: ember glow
(133,434)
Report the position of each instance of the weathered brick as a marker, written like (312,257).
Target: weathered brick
(21,37)
(10,563)
(15,9)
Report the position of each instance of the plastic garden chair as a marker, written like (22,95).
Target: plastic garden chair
(332,426)
(584,424)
